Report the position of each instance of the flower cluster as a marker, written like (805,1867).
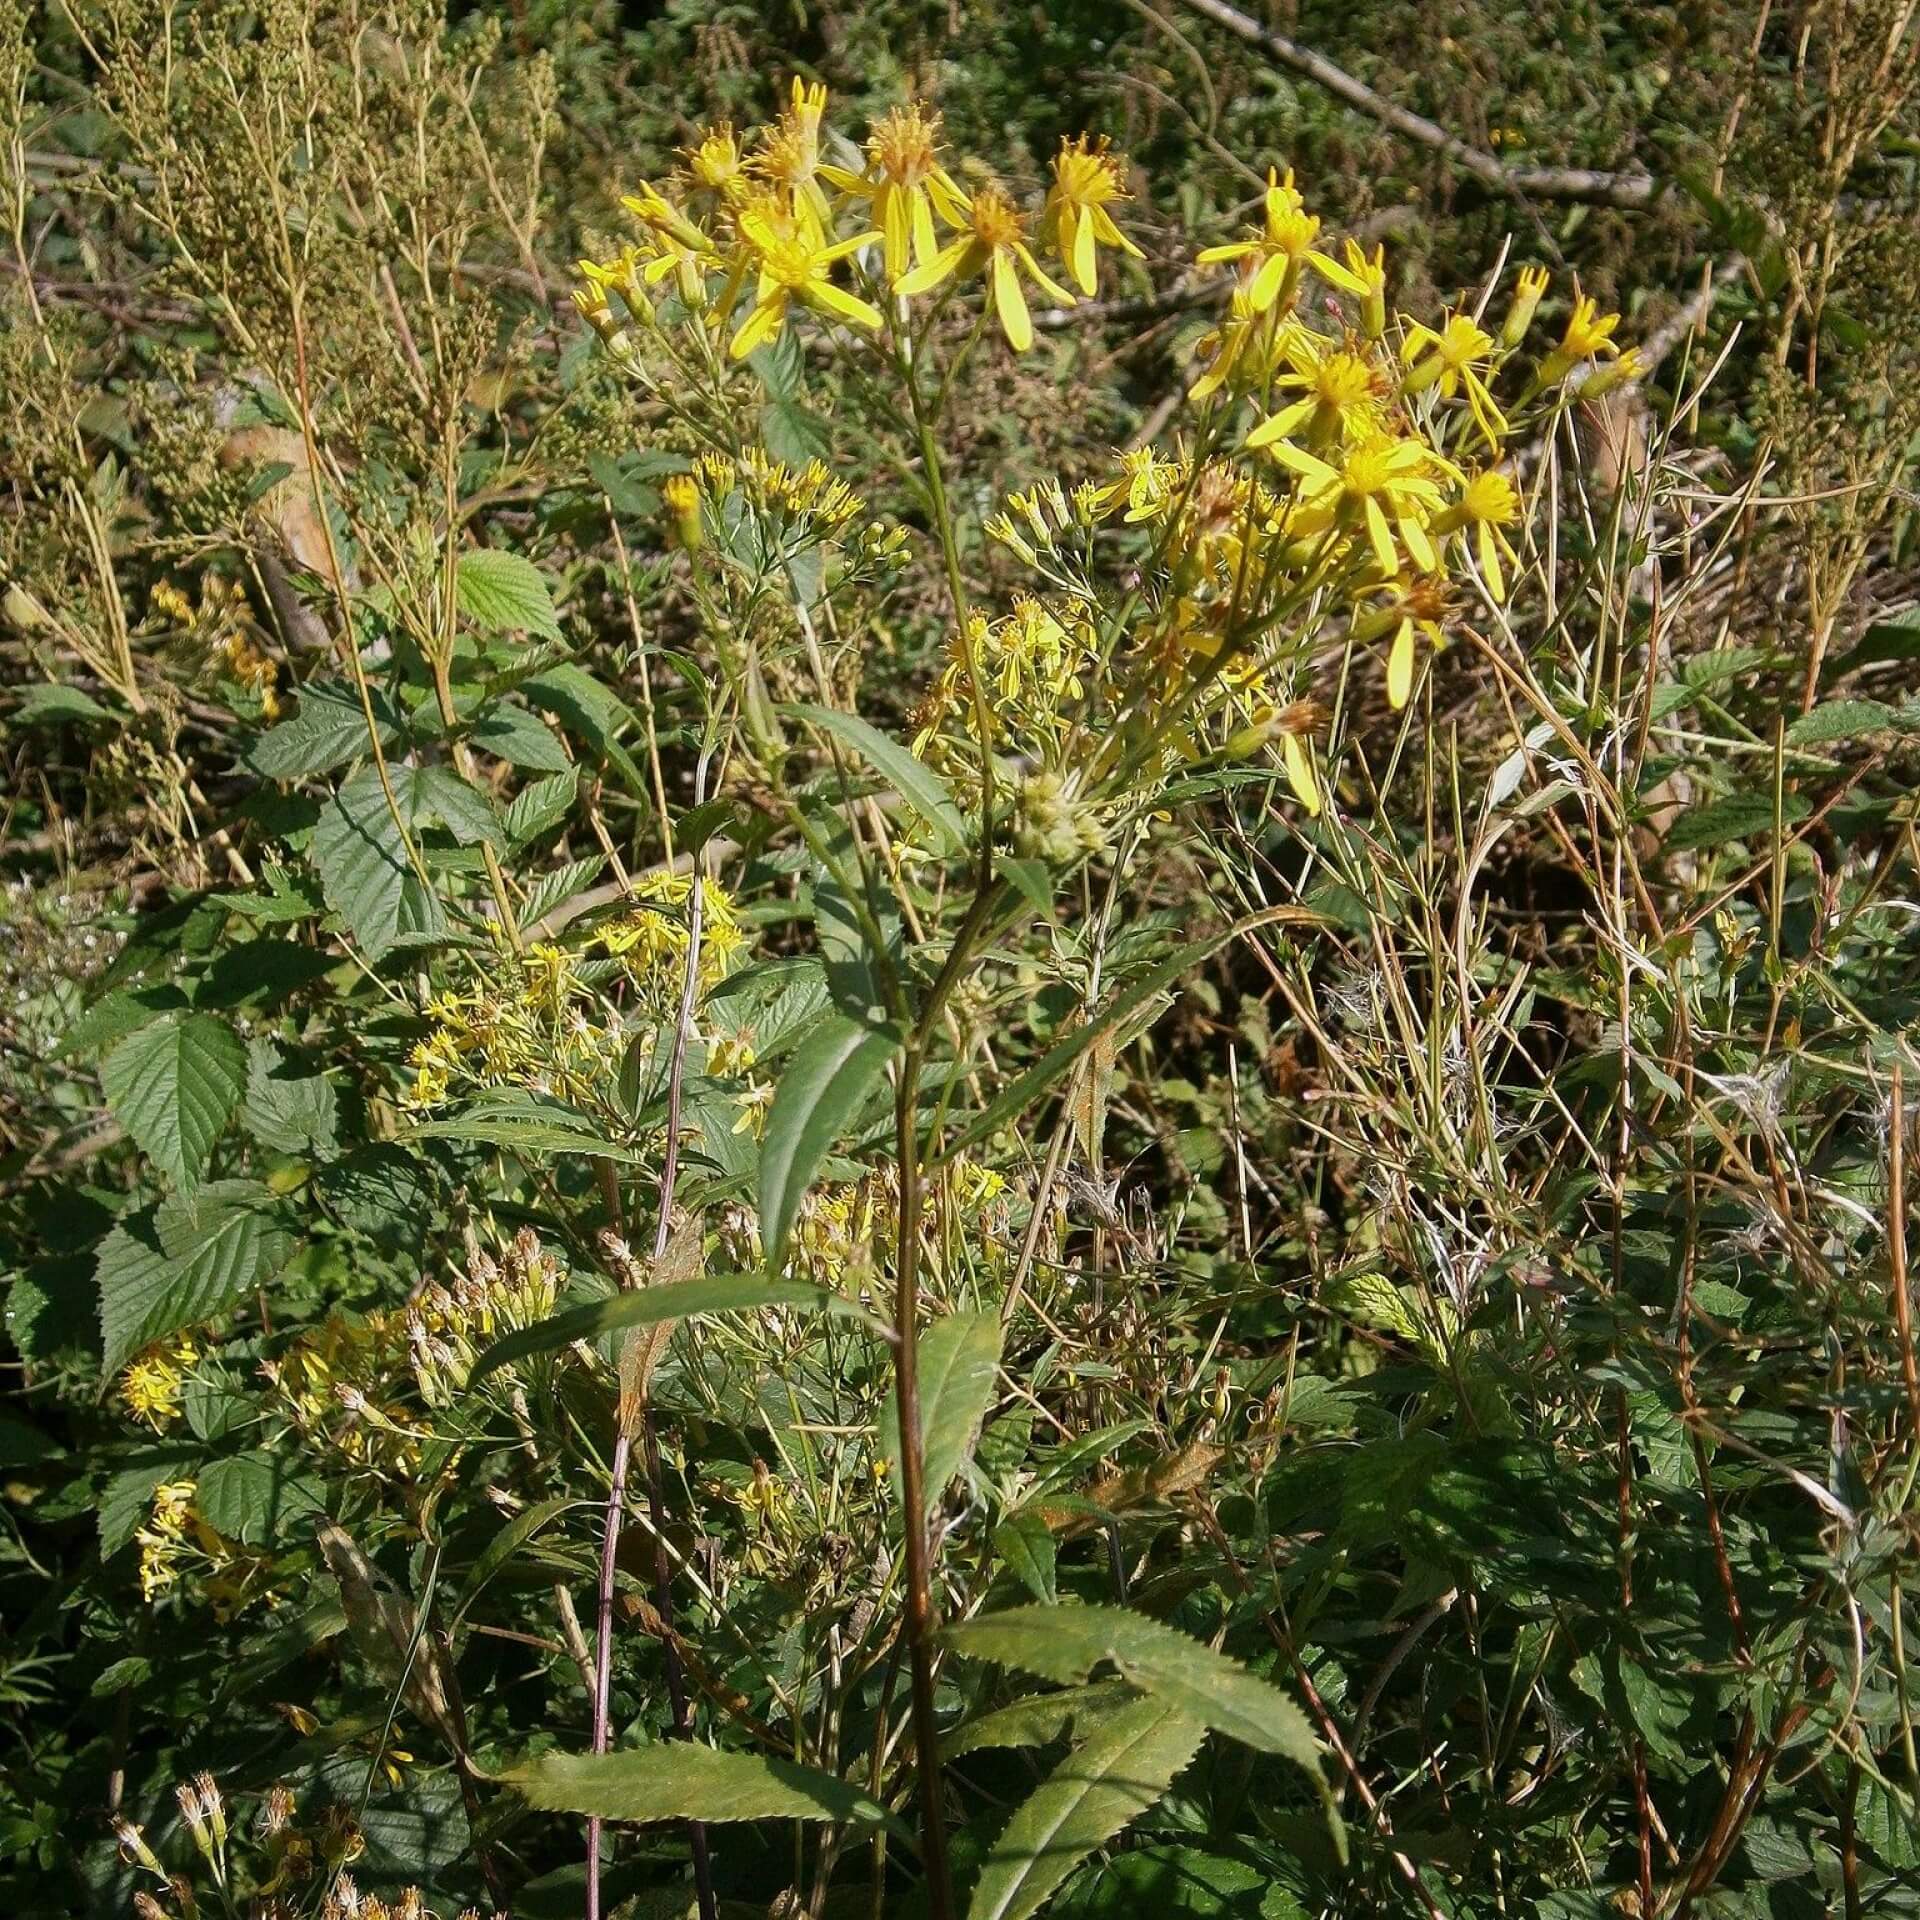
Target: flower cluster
(555,1030)
(363,1388)
(154,1382)
(177,1543)
(751,233)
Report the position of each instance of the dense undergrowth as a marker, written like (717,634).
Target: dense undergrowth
(971,985)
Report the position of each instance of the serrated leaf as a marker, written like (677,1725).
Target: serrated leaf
(1740,817)
(55,702)
(826,1083)
(1840,720)
(521,739)
(959,1363)
(1026,1543)
(289,1111)
(554,889)
(1094,1793)
(365,872)
(1040,1719)
(652,1306)
(185,1264)
(326,730)
(438,793)
(915,781)
(505,593)
(683,1781)
(540,808)
(1065,1644)
(174,1085)
(258,1498)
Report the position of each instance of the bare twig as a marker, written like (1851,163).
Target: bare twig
(1597,186)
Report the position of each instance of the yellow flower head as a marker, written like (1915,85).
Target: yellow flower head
(1487,504)
(789,156)
(795,264)
(1272,256)
(1371,273)
(905,185)
(1528,292)
(1450,360)
(994,242)
(1588,336)
(715,165)
(151,1387)
(1382,488)
(1341,397)
(1087,179)
(1421,608)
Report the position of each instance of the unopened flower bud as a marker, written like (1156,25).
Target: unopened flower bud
(682,496)
(1527,293)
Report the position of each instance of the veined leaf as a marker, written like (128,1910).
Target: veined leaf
(824,1087)
(525,1123)
(364,869)
(327,729)
(503,593)
(1040,1719)
(681,1781)
(1095,1792)
(959,1361)
(186,1263)
(649,1306)
(1065,1644)
(174,1085)
(917,783)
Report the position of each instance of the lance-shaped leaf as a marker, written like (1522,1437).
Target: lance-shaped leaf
(825,1085)
(922,789)
(1095,1792)
(652,1306)
(1066,1644)
(682,1781)
(959,1360)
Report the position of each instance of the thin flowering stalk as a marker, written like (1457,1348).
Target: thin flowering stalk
(650,1447)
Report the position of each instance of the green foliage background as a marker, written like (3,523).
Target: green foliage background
(1530,1402)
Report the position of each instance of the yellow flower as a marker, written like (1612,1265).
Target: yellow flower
(715,165)
(1527,294)
(680,247)
(1273,255)
(789,155)
(1372,276)
(1087,180)
(1147,484)
(905,186)
(1588,335)
(681,493)
(795,265)
(1340,401)
(1381,488)
(1449,360)
(151,1387)
(1420,608)
(994,243)
(1486,504)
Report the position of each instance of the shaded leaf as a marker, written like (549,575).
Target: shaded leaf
(959,1360)
(916,782)
(1095,1792)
